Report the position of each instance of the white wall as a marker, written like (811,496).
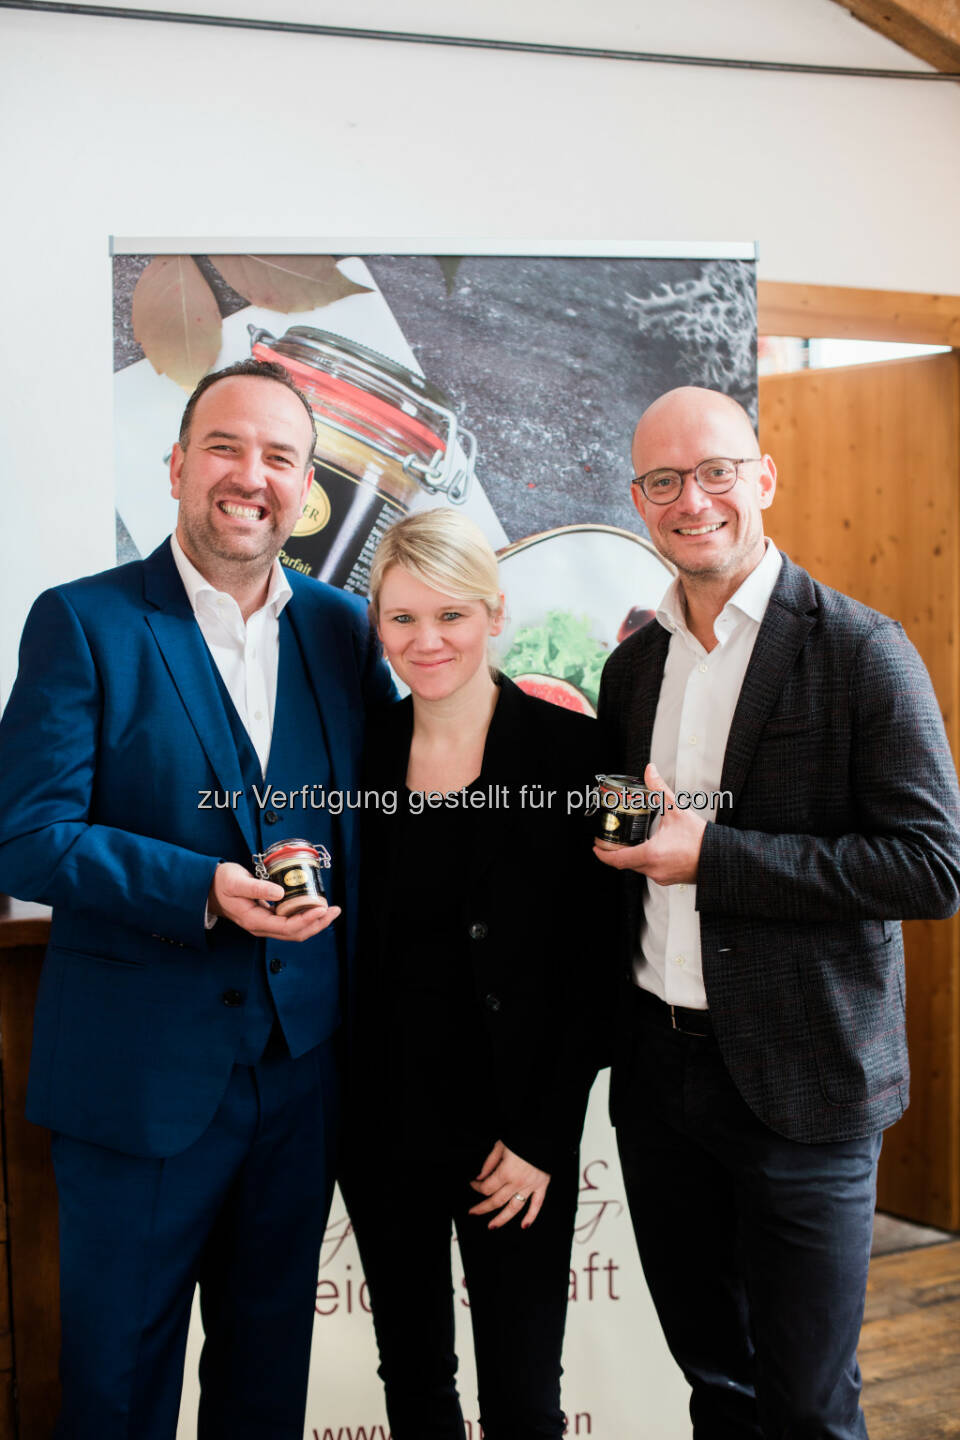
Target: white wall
(134,128)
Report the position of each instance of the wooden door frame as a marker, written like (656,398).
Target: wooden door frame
(837,312)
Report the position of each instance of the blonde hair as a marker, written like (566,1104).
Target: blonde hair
(444,550)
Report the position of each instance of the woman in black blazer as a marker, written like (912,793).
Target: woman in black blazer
(479,999)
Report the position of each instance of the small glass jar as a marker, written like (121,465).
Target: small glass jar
(383,434)
(623,811)
(298,866)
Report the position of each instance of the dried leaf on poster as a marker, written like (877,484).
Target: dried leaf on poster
(176,319)
(286,283)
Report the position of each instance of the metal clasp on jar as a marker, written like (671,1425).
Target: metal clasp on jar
(432,476)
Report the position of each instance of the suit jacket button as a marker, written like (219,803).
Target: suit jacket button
(492,1002)
(232,997)
(270,817)
(275,967)
(478,930)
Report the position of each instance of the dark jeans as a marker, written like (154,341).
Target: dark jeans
(517,1282)
(242,1211)
(755,1247)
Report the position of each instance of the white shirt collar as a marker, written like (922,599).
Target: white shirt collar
(197,584)
(751,598)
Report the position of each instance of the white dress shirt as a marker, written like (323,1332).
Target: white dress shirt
(698,696)
(247,654)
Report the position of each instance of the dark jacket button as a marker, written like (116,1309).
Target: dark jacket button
(478,930)
(232,997)
(275,967)
(270,817)
(492,1002)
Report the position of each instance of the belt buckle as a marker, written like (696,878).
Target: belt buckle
(674,1025)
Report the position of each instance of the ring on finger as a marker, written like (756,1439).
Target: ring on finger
(519,1197)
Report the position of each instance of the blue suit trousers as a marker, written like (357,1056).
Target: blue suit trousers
(241,1212)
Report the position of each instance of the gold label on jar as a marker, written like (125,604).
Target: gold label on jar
(303,886)
(316,511)
(358,516)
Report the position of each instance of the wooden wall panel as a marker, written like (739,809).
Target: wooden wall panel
(867,500)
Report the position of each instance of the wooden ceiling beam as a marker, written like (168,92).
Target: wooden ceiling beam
(929,29)
(837,312)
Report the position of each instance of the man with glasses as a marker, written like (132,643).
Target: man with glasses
(762,1049)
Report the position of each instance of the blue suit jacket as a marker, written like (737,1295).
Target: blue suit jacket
(114,730)
(845,820)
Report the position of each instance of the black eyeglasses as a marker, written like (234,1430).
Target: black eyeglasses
(713,476)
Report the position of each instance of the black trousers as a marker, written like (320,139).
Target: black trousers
(517,1283)
(755,1247)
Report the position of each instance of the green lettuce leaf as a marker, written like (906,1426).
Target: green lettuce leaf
(562,647)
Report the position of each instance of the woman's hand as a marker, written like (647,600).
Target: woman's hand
(509,1184)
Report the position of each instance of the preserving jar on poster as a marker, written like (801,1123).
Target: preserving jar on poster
(383,435)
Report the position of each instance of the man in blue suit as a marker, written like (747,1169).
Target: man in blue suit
(165,720)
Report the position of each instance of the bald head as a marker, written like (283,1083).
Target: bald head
(691,420)
(713,538)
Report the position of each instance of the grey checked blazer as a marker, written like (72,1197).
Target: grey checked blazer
(845,820)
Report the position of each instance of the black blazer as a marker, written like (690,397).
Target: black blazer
(531,917)
(845,819)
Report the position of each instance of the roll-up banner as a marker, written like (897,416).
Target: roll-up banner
(507,385)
